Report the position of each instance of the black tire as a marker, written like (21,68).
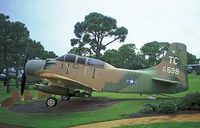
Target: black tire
(51,102)
(87,94)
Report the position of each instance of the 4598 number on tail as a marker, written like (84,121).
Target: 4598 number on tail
(171,70)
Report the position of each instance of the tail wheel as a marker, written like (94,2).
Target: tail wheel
(51,102)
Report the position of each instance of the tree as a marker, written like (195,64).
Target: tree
(81,51)
(51,54)
(111,56)
(12,34)
(191,59)
(127,56)
(1,60)
(13,42)
(164,46)
(20,36)
(124,57)
(153,52)
(98,31)
(36,50)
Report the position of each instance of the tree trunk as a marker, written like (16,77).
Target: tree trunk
(7,78)
(98,54)
(17,81)
(7,72)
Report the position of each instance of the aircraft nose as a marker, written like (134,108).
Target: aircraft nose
(33,67)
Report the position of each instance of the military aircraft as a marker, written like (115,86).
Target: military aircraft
(14,74)
(75,76)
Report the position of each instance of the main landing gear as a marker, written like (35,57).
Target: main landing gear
(51,102)
(65,98)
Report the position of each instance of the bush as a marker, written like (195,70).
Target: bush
(190,102)
(167,107)
(148,108)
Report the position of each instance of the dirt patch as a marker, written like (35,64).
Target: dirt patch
(144,120)
(138,115)
(9,126)
(73,105)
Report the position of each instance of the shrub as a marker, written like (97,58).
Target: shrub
(190,102)
(148,108)
(167,107)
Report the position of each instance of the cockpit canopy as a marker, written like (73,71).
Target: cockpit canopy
(81,60)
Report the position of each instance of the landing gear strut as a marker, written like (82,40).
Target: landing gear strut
(65,98)
(51,102)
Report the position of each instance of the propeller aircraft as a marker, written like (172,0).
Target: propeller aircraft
(14,75)
(75,76)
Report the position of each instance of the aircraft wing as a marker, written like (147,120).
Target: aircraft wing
(166,81)
(63,78)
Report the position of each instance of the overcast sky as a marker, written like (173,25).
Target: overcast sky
(52,21)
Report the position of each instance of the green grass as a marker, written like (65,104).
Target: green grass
(194,85)
(165,125)
(3,95)
(118,95)
(117,111)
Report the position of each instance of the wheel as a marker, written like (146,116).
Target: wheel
(87,94)
(51,102)
(77,93)
(65,97)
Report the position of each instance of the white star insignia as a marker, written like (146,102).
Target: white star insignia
(131,82)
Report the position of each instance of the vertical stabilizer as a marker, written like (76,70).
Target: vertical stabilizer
(173,68)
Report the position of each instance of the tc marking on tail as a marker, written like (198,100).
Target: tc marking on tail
(173,60)
(172,70)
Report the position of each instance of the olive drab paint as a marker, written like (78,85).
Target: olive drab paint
(69,73)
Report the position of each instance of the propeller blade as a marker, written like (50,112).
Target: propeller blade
(23,83)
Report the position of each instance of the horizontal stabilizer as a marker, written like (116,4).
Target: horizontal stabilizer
(166,81)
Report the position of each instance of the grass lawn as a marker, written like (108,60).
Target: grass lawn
(117,111)
(194,85)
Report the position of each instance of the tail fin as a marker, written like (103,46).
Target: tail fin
(173,68)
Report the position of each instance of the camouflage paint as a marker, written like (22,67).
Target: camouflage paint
(170,76)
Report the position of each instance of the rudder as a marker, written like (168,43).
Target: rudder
(173,68)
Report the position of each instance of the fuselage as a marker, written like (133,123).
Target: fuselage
(99,76)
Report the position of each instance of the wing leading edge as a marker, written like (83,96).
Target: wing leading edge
(56,76)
